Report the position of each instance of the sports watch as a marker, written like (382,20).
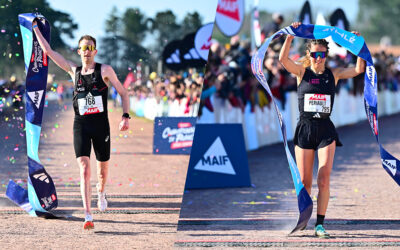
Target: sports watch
(126,115)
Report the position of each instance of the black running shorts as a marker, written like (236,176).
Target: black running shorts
(315,134)
(92,130)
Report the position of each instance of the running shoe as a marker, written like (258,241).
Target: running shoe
(320,232)
(88,222)
(101,199)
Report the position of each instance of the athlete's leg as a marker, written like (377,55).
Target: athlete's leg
(305,163)
(325,163)
(86,188)
(102,174)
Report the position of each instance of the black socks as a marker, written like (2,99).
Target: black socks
(320,219)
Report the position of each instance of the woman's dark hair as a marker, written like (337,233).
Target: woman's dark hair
(306,59)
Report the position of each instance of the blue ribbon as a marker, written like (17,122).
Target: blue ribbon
(356,45)
(41,194)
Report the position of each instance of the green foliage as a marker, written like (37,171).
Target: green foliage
(121,47)
(10,37)
(191,22)
(379,18)
(166,27)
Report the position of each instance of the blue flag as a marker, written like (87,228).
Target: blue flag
(41,195)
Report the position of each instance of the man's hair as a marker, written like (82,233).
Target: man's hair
(87,37)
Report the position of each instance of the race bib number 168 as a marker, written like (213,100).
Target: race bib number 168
(90,105)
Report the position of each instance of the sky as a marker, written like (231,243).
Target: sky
(350,7)
(91,15)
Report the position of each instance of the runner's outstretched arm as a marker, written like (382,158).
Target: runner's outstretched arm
(289,64)
(56,57)
(109,74)
(350,72)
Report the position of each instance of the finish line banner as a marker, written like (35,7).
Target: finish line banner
(41,195)
(218,158)
(173,135)
(358,47)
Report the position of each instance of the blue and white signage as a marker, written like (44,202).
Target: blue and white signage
(173,135)
(218,158)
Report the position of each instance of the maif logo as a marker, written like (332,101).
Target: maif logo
(36,97)
(371,74)
(229,8)
(229,16)
(202,40)
(216,160)
(391,165)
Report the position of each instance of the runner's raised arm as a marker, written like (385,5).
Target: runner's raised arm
(56,57)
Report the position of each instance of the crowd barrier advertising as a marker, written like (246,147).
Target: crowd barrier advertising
(173,135)
(218,157)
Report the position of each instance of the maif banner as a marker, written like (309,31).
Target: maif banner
(173,135)
(218,158)
(230,16)
(41,195)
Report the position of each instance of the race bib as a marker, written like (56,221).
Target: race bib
(90,104)
(319,103)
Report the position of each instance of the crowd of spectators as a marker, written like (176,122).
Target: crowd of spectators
(182,90)
(172,89)
(229,77)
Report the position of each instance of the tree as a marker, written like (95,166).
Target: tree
(10,38)
(191,23)
(166,26)
(135,29)
(377,19)
(135,25)
(122,45)
(113,40)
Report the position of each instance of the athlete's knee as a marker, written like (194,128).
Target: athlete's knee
(323,182)
(84,164)
(307,182)
(83,161)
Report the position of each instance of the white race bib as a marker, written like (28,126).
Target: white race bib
(317,103)
(90,104)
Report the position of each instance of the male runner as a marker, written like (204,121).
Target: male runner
(91,119)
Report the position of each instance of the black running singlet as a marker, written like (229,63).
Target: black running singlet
(90,94)
(316,93)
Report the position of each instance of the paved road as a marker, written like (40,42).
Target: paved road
(363,209)
(145,190)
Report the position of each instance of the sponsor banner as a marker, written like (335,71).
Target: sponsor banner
(339,19)
(173,135)
(182,54)
(189,55)
(218,158)
(230,16)
(172,56)
(202,40)
(41,191)
(305,16)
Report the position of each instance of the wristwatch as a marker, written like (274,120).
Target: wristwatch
(126,115)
